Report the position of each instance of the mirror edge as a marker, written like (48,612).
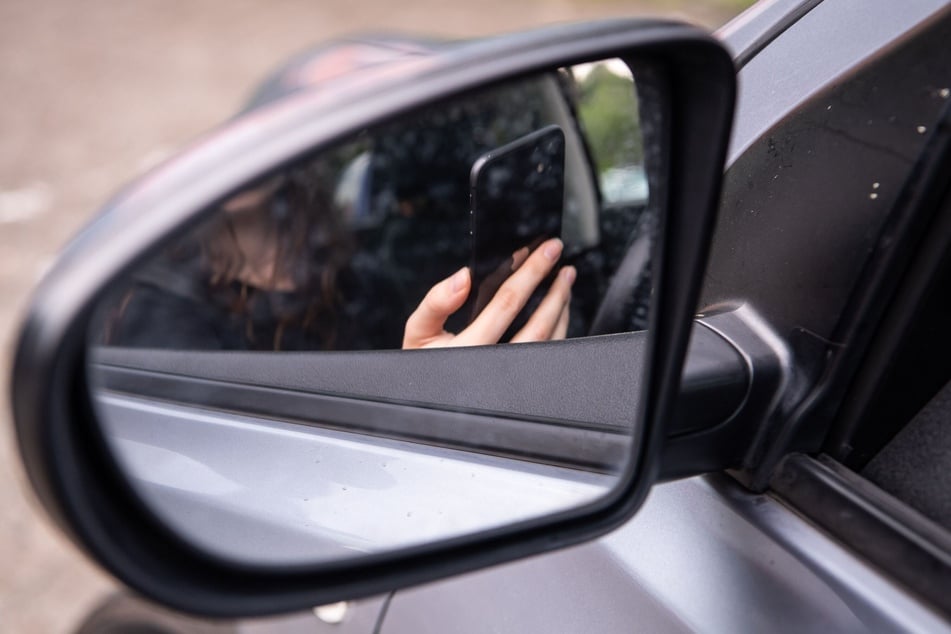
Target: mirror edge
(84,494)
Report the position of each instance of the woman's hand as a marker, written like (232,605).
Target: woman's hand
(425,328)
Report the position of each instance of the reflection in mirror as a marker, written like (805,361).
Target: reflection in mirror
(238,373)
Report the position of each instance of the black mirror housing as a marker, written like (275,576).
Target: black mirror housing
(78,481)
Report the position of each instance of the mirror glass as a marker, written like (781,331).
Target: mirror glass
(431,328)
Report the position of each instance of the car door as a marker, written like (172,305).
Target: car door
(824,163)
(826,136)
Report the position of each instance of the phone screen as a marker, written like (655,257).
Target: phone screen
(517,197)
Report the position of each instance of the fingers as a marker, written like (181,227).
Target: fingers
(519,257)
(512,295)
(491,283)
(561,328)
(545,322)
(426,325)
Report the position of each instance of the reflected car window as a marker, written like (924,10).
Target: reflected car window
(338,250)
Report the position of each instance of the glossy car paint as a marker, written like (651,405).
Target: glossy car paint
(216,484)
(700,556)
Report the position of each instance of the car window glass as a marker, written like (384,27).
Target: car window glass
(336,251)
(605,104)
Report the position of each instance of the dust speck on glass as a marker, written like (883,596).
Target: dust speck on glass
(337,251)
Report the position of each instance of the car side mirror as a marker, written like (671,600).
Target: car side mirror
(421,318)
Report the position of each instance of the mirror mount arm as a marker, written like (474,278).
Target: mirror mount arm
(751,377)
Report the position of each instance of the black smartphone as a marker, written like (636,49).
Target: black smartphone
(516,200)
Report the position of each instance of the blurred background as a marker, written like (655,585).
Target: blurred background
(95,92)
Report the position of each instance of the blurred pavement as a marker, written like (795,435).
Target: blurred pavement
(94,92)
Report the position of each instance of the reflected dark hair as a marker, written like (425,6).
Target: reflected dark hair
(312,249)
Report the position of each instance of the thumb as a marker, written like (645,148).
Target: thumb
(428,320)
